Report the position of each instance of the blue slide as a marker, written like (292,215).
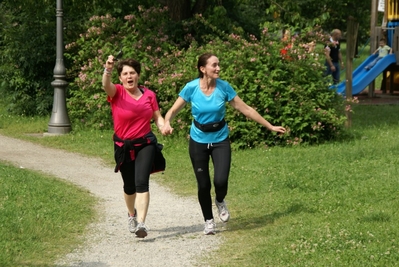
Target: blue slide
(361,77)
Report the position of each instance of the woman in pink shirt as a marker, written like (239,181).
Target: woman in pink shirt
(136,148)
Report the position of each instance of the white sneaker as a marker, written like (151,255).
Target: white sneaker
(141,230)
(224,214)
(210,227)
(132,222)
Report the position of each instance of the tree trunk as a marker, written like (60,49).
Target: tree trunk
(200,6)
(179,9)
(351,36)
(373,41)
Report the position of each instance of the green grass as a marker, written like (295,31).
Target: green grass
(333,204)
(41,218)
(330,205)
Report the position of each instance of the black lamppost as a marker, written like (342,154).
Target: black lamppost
(59,121)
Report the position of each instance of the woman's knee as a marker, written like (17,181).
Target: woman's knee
(220,183)
(129,190)
(204,187)
(142,188)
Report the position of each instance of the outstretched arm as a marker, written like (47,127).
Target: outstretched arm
(108,86)
(249,112)
(171,114)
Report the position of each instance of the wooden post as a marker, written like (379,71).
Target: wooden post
(373,47)
(351,36)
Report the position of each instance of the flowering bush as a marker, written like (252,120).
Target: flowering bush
(287,91)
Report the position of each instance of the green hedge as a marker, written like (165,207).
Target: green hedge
(290,92)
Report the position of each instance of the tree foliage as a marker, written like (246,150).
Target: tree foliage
(288,91)
(27,46)
(175,34)
(328,14)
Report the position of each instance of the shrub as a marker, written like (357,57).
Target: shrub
(139,36)
(291,92)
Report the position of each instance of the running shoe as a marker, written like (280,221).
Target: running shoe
(141,230)
(132,222)
(224,214)
(210,227)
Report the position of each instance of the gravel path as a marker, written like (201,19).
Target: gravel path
(175,237)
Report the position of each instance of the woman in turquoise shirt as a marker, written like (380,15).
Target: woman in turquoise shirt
(209,134)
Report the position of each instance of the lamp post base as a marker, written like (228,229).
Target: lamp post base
(58,130)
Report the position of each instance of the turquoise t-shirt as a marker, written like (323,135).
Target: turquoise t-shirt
(207,109)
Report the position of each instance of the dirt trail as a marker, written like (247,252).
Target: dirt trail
(175,237)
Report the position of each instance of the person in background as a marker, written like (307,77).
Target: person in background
(209,134)
(333,56)
(137,152)
(288,44)
(382,50)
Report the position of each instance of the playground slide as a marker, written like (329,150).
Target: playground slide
(361,77)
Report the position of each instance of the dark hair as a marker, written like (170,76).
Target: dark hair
(131,63)
(383,40)
(202,61)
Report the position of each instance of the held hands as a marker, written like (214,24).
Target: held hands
(166,129)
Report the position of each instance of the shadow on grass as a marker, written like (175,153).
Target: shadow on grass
(369,117)
(376,218)
(249,222)
(375,115)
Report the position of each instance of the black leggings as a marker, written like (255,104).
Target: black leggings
(136,173)
(221,158)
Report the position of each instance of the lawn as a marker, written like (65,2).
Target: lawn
(333,204)
(41,217)
(329,205)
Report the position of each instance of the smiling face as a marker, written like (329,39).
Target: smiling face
(129,77)
(212,68)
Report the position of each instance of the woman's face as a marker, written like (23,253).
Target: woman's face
(129,77)
(212,68)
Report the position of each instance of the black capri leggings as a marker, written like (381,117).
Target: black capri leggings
(221,158)
(136,173)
